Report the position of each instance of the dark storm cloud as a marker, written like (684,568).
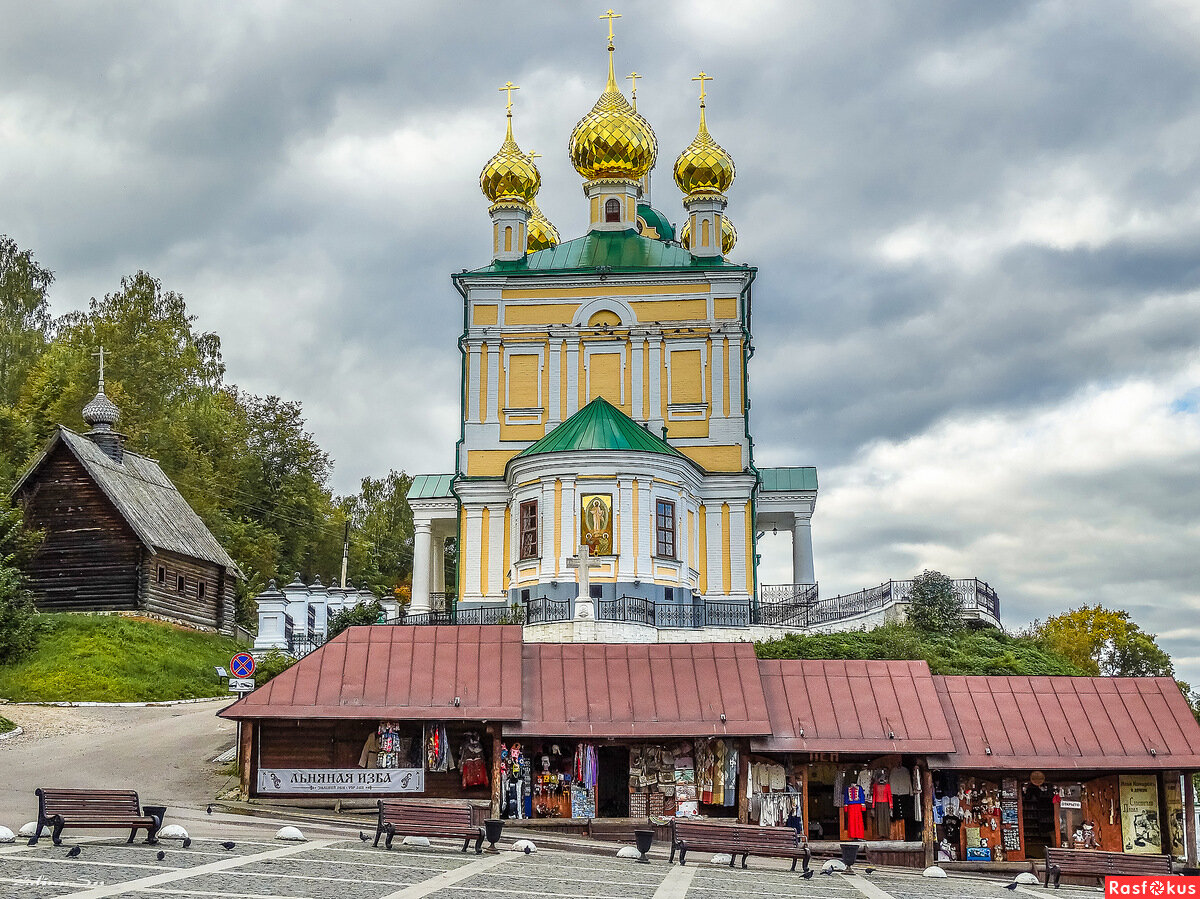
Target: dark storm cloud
(962,213)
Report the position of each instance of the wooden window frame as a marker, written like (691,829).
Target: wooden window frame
(527,518)
(612,210)
(162,574)
(180,584)
(665,530)
(200,590)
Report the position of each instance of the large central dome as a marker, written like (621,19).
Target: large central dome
(612,141)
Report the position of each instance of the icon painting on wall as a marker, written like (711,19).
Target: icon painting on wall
(595,528)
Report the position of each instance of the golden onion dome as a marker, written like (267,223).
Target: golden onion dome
(728,235)
(612,141)
(704,166)
(510,174)
(542,234)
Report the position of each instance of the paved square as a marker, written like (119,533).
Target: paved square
(338,868)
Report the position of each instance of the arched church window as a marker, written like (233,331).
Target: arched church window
(529,529)
(612,210)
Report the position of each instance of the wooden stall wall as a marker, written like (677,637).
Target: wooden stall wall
(88,561)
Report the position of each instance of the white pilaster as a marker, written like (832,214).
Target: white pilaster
(422,538)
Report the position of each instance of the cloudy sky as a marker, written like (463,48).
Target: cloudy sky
(977,227)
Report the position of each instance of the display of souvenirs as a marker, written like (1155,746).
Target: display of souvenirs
(388,748)
(438,757)
(474,767)
(583,801)
(514,780)
(716,763)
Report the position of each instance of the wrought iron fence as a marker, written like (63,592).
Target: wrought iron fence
(799,605)
(633,609)
(301,643)
(485,615)
(543,610)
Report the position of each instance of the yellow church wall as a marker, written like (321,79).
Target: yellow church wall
(715,458)
(725,307)
(507,546)
(725,381)
(687,384)
(483,381)
(488,463)
(604,377)
(562,382)
(523,381)
(670,310)
(702,522)
(540,314)
(607,290)
(485,314)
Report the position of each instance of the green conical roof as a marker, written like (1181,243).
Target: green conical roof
(600,426)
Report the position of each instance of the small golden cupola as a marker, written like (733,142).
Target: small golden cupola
(542,234)
(613,148)
(704,171)
(510,181)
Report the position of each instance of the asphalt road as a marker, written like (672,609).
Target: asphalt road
(162,752)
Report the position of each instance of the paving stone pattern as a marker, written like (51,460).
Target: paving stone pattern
(350,869)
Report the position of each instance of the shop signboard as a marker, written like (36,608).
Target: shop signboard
(341,780)
(1140,827)
(1173,792)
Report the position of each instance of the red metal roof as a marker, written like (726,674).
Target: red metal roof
(397,672)
(869,707)
(642,690)
(1109,723)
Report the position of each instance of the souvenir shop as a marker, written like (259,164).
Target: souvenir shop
(1008,817)
(377,758)
(559,778)
(870,799)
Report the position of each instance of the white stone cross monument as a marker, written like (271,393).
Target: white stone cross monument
(584,607)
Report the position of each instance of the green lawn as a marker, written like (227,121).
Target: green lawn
(106,658)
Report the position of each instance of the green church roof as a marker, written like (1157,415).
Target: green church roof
(600,426)
(788,479)
(657,221)
(616,250)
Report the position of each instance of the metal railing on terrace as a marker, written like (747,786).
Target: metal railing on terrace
(977,597)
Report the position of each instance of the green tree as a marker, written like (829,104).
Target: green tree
(1104,641)
(364,613)
(24,316)
(20,624)
(934,606)
(383,532)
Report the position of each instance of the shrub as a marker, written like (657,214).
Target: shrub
(20,624)
(934,605)
(271,665)
(366,613)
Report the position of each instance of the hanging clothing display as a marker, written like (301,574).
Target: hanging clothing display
(704,771)
(901,781)
(718,790)
(839,789)
(856,800)
(514,779)
(881,798)
(438,757)
(474,768)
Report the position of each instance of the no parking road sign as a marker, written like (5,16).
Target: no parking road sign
(242,665)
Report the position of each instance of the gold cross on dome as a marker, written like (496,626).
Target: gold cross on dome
(610,15)
(534,154)
(633,77)
(703,77)
(510,87)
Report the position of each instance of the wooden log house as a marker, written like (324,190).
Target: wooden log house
(118,534)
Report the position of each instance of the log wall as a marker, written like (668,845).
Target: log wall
(186,589)
(90,558)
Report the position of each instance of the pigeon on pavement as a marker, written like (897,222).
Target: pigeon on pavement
(808,875)
(828,873)
(74,853)
(1010,886)
(187,842)
(868,870)
(228,844)
(208,811)
(161,855)
(362,836)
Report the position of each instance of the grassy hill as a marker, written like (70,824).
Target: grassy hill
(106,658)
(984,651)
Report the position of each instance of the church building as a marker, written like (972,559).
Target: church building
(605,465)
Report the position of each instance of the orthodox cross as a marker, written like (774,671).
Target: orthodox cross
(610,15)
(533,154)
(633,77)
(702,77)
(510,87)
(101,355)
(583,562)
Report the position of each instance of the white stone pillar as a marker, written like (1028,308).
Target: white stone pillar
(272,613)
(802,554)
(422,538)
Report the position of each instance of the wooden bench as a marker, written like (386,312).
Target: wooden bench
(425,819)
(93,808)
(1095,863)
(737,839)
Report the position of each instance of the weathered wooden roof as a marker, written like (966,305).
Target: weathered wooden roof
(145,497)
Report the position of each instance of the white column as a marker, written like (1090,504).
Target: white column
(802,554)
(422,537)
(437,565)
